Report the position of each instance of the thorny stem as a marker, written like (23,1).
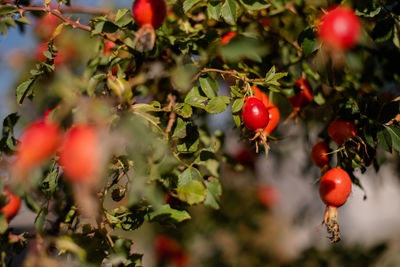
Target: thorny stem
(172,115)
(232,73)
(57,13)
(68,9)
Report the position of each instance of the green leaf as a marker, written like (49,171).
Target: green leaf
(270,74)
(235,92)
(188,175)
(153,107)
(66,243)
(367,9)
(237,105)
(23,90)
(394,132)
(48,54)
(208,160)
(209,86)
(120,14)
(218,104)
(237,120)
(6,9)
(396,36)
(120,87)
(194,98)
(307,41)
(40,222)
(23,20)
(384,140)
(214,10)
(32,203)
(3,223)
(167,214)
(214,191)
(188,4)
(9,123)
(368,137)
(229,9)
(94,82)
(98,28)
(243,48)
(319,99)
(184,110)
(51,181)
(255,4)
(180,128)
(182,77)
(383,30)
(310,72)
(389,111)
(192,192)
(190,143)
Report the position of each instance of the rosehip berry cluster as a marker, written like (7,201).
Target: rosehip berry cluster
(335,185)
(79,154)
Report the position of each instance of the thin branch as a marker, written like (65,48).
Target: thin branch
(84,10)
(172,115)
(232,73)
(57,13)
(69,9)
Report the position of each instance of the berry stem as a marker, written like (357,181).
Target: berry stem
(332,225)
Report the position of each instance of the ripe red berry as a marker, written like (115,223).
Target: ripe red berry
(228,37)
(12,207)
(168,250)
(255,115)
(335,187)
(59,60)
(316,154)
(46,25)
(303,94)
(273,118)
(245,157)
(268,195)
(37,143)
(108,46)
(273,111)
(260,95)
(80,155)
(340,28)
(149,12)
(339,130)
(181,259)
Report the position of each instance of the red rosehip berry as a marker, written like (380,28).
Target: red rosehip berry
(255,115)
(12,207)
(339,130)
(340,28)
(303,94)
(149,12)
(317,156)
(37,143)
(80,154)
(226,38)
